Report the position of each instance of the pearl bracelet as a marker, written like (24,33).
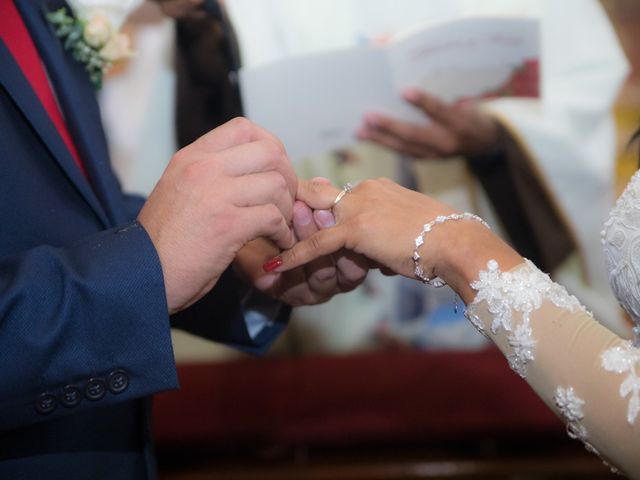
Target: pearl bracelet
(426,228)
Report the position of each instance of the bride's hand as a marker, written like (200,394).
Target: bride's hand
(381,220)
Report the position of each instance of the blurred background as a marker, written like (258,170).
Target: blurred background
(388,382)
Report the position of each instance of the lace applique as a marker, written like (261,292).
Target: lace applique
(570,406)
(622,360)
(521,290)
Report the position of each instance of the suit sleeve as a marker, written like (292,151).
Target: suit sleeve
(204,319)
(222,314)
(79,323)
(87,326)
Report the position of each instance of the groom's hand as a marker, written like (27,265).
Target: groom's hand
(230,186)
(310,284)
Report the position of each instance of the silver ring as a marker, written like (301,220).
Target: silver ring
(347,188)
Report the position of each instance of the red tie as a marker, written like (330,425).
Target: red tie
(16,37)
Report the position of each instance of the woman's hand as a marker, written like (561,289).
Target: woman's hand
(381,219)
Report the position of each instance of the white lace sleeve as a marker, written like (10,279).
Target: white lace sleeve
(584,372)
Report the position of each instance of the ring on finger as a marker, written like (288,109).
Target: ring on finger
(347,188)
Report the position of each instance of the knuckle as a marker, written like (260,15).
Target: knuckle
(316,185)
(280,182)
(193,172)
(180,156)
(243,126)
(290,256)
(273,217)
(315,242)
(368,184)
(273,149)
(280,148)
(241,123)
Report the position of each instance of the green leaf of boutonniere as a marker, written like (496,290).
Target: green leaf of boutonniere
(91,42)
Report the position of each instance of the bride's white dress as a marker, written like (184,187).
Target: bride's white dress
(584,372)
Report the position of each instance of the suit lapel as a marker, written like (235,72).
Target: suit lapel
(19,89)
(77,98)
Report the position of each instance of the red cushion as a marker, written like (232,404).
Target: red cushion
(346,399)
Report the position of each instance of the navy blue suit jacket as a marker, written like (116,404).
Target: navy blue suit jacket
(84,328)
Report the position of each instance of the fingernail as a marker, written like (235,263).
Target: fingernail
(301,214)
(411,94)
(372,120)
(272,264)
(324,218)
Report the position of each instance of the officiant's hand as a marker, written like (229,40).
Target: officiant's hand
(313,283)
(452,129)
(231,186)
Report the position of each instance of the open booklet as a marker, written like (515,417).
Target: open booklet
(315,103)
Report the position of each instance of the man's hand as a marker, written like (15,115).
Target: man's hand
(229,187)
(452,129)
(310,284)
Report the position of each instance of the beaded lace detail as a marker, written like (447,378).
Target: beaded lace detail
(522,290)
(626,359)
(570,406)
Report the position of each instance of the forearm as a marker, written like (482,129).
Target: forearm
(575,364)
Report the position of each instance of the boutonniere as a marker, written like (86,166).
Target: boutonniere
(91,34)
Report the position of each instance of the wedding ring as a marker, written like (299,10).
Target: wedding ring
(345,189)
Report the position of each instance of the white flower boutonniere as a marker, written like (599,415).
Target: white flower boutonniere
(92,35)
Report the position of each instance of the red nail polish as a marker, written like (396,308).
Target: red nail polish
(272,264)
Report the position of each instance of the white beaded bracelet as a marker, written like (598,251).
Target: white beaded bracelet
(427,227)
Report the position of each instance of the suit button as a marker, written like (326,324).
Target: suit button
(118,381)
(95,389)
(71,396)
(46,404)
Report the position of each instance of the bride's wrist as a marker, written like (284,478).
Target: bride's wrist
(463,250)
